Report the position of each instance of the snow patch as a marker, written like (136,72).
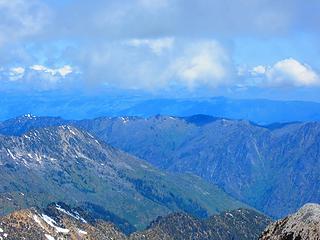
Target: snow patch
(27,137)
(125,119)
(75,215)
(11,155)
(37,220)
(71,131)
(82,232)
(49,237)
(29,116)
(52,223)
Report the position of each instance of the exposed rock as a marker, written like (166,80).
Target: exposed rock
(241,224)
(302,225)
(54,223)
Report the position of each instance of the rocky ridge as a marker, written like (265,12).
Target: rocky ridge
(302,225)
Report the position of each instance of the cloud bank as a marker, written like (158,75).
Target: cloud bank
(152,45)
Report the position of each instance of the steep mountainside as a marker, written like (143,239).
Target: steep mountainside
(302,225)
(274,168)
(241,224)
(66,164)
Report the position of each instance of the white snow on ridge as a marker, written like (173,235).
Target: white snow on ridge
(230,214)
(82,232)
(125,119)
(11,155)
(52,223)
(76,215)
(49,237)
(37,220)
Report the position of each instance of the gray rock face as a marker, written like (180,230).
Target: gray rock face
(303,225)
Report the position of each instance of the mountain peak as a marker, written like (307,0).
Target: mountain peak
(303,225)
(28,116)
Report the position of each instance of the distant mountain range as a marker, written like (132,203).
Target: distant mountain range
(274,168)
(81,106)
(60,221)
(63,163)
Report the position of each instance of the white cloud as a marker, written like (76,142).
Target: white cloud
(16,73)
(259,70)
(38,77)
(284,73)
(187,65)
(18,70)
(63,71)
(206,63)
(290,71)
(156,45)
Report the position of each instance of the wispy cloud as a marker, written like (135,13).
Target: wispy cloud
(21,19)
(156,45)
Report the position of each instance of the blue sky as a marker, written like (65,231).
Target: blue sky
(243,48)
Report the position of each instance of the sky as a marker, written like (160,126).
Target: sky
(199,48)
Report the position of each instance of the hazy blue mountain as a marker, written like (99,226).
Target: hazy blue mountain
(274,168)
(83,106)
(66,164)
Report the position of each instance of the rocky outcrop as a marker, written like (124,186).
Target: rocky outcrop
(61,221)
(240,224)
(52,223)
(303,225)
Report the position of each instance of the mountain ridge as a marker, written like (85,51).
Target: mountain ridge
(61,221)
(65,159)
(253,163)
(80,106)
(303,225)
